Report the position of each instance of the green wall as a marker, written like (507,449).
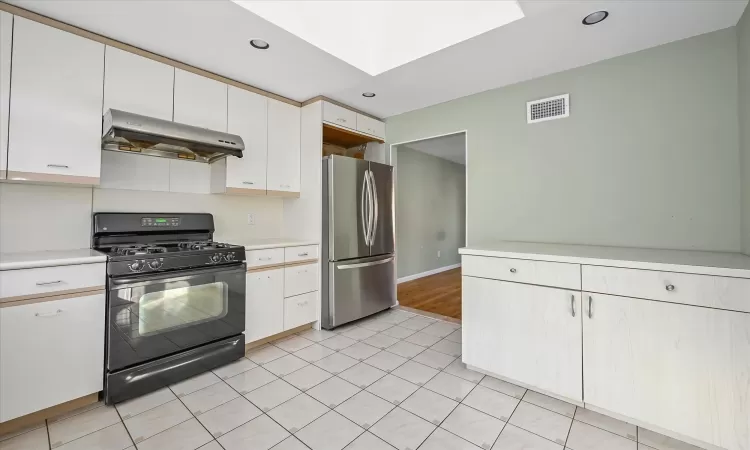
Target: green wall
(648,158)
(430,212)
(743,32)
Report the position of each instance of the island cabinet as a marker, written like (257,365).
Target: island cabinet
(660,339)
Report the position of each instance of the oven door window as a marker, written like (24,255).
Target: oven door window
(179,307)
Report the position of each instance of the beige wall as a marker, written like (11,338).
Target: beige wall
(648,158)
(36,217)
(744,108)
(430,212)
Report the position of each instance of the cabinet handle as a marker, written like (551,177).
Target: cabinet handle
(341,120)
(247,182)
(58,166)
(573,305)
(264,259)
(302,254)
(513,270)
(47,283)
(590,300)
(670,287)
(59,311)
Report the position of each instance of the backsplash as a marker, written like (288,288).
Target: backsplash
(38,217)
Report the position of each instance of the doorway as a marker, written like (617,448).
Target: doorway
(430,217)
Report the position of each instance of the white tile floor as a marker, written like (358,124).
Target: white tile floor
(391,381)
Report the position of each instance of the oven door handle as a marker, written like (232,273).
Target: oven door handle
(182,275)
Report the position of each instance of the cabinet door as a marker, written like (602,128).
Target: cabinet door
(264,311)
(6,42)
(523,332)
(337,115)
(200,101)
(50,353)
(56,112)
(248,118)
(300,310)
(138,85)
(682,368)
(370,126)
(283,148)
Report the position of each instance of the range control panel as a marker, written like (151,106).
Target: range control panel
(160,221)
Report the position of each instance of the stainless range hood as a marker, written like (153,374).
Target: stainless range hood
(124,131)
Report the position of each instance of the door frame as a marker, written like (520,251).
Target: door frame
(392,150)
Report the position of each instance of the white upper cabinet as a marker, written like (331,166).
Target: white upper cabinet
(370,126)
(138,85)
(200,101)
(337,115)
(283,148)
(56,112)
(6,42)
(248,119)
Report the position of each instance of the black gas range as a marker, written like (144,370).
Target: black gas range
(175,300)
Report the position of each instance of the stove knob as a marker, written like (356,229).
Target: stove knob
(230,257)
(216,257)
(154,264)
(136,266)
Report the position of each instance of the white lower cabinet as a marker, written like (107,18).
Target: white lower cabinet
(300,310)
(530,334)
(300,279)
(678,367)
(50,353)
(264,311)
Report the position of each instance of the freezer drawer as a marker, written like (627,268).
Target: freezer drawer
(358,288)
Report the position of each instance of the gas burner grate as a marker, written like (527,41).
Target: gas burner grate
(202,245)
(138,250)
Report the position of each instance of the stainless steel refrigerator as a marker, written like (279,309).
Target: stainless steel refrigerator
(359,277)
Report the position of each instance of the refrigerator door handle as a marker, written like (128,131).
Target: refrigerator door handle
(375,202)
(365,225)
(367,264)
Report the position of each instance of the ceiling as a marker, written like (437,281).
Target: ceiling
(213,35)
(452,147)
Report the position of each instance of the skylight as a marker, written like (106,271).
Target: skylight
(376,36)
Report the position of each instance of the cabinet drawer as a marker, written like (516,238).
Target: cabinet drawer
(50,353)
(300,310)
(684,288)
(542,273)
(370,126)
(266,257)
(302,253)
(300,279)
(339,116)
(46,281)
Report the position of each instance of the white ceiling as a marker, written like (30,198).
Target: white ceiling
(452,147)
(213,35)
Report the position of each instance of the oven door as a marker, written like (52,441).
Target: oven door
(153,316)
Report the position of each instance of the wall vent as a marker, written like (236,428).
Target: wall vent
(551,108)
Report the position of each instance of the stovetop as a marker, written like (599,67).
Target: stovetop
(164,249)
(146,243)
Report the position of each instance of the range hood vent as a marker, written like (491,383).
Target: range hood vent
(124,131)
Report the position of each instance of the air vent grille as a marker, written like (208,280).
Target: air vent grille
(551,108)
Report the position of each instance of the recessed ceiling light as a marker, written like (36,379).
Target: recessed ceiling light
(368,94)
(260,44)
(595,17)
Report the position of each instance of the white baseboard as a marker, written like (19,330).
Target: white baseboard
(428,273)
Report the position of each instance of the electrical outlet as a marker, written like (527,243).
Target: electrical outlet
(250,219)
(438,253)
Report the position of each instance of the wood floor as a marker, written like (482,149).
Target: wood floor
(439,293)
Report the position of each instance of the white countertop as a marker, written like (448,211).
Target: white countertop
(259,244)
(688,261)
(30,260)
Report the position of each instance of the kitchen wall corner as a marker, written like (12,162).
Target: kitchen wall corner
(743,40)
